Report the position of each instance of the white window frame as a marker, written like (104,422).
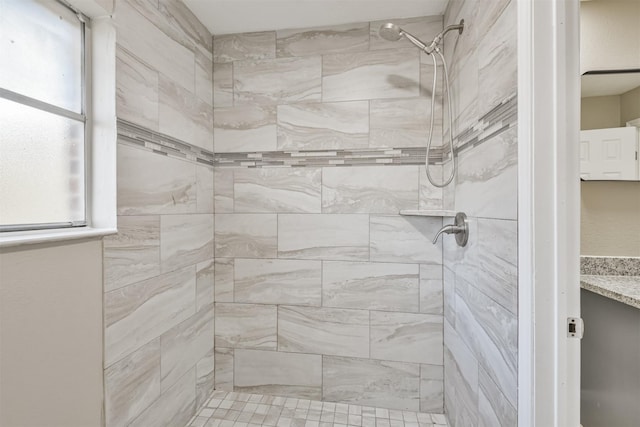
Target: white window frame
(100,131)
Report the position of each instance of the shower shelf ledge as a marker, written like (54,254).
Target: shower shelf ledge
(425,212)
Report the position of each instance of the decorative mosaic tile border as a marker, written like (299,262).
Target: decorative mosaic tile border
(496,121)
(610,266)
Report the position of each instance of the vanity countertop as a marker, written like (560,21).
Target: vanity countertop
(625,289)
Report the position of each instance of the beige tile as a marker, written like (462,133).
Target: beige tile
(185,240)
(204,189)
(404,122)
(204,76)
(224,368)
(223,85)
(223,190)
(323,40)
(318,330)
(280,374)
(246,235)
(245,128)
(205,272)
(224,286)
(136,91)
(182,20)
(396,238)
(246,326)
(205,378)
(234,47)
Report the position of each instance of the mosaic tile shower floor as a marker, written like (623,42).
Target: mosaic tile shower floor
(231,409)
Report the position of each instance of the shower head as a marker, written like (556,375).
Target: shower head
(393,33)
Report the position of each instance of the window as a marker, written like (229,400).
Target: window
(43,116)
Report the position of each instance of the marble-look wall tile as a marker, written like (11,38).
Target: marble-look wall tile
(204,189)
(329,237)
(223,291)
(136,90)
(246,235)
(493,408)
(371,286)
(223,85)
(184,345)
(432,197)
(280,374)
(402,239)
(432,388)
(318,330)
(235,47)
(224,368)
(175,407)
(143,311)
(392,385)
(487,181)
(369,189)
(419,336)
(321,126)
(133,254)
(132,384)
(244,128)
(246,326)
(464,93)
(223,190)
(461,377)
(149,43)
(276,81)
(185,240)
(404,122)
(425,28)
(449,296)
(496,57)
(371,75)
(272,281)
(323,40)
(204,76)
(153,184)
(205,378)
(182,18)
(431,289)
(277,190)
(204,284)
(184,116)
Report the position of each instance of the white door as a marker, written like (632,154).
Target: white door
(609,154)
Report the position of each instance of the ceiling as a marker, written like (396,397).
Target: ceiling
(241,16)
(609,84)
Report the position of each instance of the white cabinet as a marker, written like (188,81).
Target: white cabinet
(610,154)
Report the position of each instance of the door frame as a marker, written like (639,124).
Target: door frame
(548,212)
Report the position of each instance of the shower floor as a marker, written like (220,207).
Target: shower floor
(231,409)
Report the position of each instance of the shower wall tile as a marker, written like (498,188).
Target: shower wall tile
(493,407)
(140,312)
(425,28)
(132,384)
(392,385)
(234,47)
(449,295)
(273,281)
(246,235)
(323,40)
(277,190)
(370,75)
(184,345)
(396,238)
(403,122)
(246,326)
(224,368)
(432,389)
(133,254)
(432,197)
(277,373)
(322,126)
(185,240)
(205,277)
(328,237)
(369,189)
(275,81)
(175,407)
(153,184)
(205,378)
(244,128)
(136,90)
(223,190)
(419,336)
(223,85)
(154,47)
(370,286)
(184,116)
(318,330)
(431,289)
(183,19)
(461,376)
(204,76)
(224,277)
(204,189)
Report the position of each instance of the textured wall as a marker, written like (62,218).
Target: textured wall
(480,280)
(322,289)
(158,301)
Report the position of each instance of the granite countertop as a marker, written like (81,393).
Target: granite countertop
(625,289)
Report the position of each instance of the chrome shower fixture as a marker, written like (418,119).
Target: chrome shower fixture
(393,32)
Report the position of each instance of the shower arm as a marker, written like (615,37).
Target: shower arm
(436,41)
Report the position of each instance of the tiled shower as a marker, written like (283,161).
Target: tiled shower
(260,246)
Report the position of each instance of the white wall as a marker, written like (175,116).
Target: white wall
(51,335)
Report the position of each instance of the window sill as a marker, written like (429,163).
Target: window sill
(18,238)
